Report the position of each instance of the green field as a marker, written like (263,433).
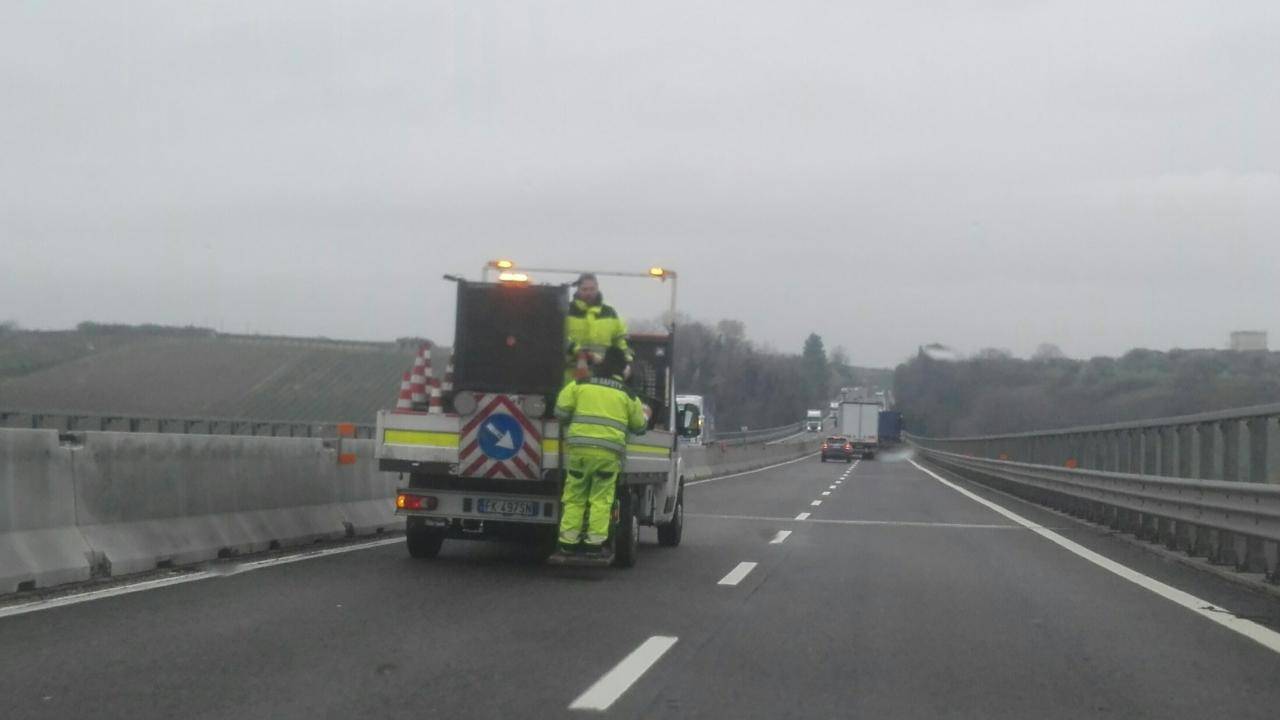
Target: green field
(198,373)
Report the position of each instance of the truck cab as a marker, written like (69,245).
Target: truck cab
(487,463)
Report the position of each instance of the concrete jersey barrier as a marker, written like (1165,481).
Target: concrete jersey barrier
(40,544)
(86,504)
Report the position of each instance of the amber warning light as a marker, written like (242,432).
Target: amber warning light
(514,277)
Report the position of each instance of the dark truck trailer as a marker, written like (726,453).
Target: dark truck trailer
(890,427)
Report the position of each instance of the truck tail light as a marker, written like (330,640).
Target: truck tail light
(405,501)
(848,446)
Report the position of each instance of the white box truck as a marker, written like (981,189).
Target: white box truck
(860,422)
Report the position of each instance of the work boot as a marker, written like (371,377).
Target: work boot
(568,548)
(597,552)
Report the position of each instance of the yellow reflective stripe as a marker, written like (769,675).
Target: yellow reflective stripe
(419,437)
(649,450)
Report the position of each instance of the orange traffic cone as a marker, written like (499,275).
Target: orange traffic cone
(437,398)
(447,385)
(418,382)
(405,401)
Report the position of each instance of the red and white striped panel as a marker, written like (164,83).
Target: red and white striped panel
(525,464)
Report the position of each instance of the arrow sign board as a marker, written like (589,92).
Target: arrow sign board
(499,441)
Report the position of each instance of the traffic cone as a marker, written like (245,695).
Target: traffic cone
(418,381)
(447,385)
(437,398)
(405,401)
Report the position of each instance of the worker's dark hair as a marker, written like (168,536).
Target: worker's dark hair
(615,363)
(585,277)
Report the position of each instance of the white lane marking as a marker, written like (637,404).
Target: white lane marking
(1265,637)
(816,503)
(781,537)
(617,681)
(831,487)
(826,492)
(736,575)
(839,481)
(196,576)
(748,472)
(869,523)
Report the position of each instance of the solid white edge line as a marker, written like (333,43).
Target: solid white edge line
(1265,637)
(749,472)
(77,598)
(737,574)
(781,537)
(802,516)
(617,681)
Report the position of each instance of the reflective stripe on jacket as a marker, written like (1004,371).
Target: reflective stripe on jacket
(600,412)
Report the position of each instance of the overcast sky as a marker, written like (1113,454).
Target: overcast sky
(1100,175)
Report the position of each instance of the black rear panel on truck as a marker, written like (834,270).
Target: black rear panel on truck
(510,338)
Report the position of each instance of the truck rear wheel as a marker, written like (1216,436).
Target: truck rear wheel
(626,536)
(423,542)
(669,535)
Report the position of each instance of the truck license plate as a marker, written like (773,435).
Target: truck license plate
(523,508)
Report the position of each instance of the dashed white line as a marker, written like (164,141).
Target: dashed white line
(736,575)
(831,487)
(826,492)
(1264,636)
(617,681)
(816,503)
(802,516)
(781,537)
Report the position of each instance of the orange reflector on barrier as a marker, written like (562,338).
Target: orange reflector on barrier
(347,430)
(1071,463)
(346,458)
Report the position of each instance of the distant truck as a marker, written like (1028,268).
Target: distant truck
(860,422)
(813,421)
(890,427)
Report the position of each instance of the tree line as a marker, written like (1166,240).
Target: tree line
(994,392)
(753,385)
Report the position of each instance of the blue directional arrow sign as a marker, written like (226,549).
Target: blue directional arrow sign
(501,436)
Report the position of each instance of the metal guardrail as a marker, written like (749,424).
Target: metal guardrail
(1206,484)
(763,435)
(71,421)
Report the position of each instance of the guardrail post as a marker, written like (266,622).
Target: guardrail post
(1255,559)
(1124,451)
(1224,546)
(1150,451)
(1186,451)
(1168,452)
(1231,450)
(1210,452)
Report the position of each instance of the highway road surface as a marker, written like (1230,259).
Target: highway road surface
(811,589)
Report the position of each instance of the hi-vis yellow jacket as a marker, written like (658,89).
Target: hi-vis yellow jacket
(594,328)
(601,413)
